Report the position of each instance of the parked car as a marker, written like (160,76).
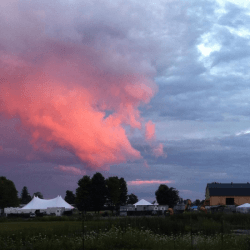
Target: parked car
(32,215)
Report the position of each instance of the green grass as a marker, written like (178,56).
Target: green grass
(116,238)
(177,232)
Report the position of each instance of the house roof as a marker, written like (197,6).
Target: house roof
(229,189)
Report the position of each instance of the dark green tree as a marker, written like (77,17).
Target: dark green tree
(167,196)
(38,194)
(113,192)
(98,191)
(197,202)
(25,196)
(8,193)
(83,199)
(132,199)
(124,192)
(70,197)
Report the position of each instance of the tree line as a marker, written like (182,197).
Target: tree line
(96,193)
(92,194)
(9,194)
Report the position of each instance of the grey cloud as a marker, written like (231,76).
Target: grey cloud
(188,89)
(235,16)
(199,162)
(233,48)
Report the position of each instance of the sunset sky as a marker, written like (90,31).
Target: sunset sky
(152,91)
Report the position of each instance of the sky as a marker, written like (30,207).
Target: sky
(156,92)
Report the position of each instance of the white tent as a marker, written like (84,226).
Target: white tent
(244,208)
(142,203)
(37,203)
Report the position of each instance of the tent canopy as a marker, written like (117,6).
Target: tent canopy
(143,203)
(244,208)
(37,203)
(244,205)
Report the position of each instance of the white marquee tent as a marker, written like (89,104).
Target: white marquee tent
(142,203)
(37,203)
(244,208)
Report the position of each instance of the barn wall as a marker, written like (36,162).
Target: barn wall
(221,200)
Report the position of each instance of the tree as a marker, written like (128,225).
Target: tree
(83,199)
(124,192)
(113,192)
(38,194)
(132,199)
(197,202)
(167,196)
(8,193)
(70,197)
(98,191)
(25,196)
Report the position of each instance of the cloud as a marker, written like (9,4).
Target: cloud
(159,151)
(1,148)
(81,78)
(150,130)
(61,83)
(145,164)
(188,88)
(246,132)
(139,182)
(70,170)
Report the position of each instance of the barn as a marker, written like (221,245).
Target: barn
(227,193)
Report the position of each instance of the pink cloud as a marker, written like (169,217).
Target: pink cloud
(1,148)
(145,164)
(138,182)
(71,170)
(158,151)
(60,83)
(150,130)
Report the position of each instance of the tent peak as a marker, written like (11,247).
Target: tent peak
(142,202)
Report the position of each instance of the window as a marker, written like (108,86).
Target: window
(229,201)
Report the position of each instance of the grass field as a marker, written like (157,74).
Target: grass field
(178,232)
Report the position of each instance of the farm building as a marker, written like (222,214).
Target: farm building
(227,193)
(143,207)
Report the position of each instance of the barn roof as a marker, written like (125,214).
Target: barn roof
(229,189)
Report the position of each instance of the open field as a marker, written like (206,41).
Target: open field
(186,231)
